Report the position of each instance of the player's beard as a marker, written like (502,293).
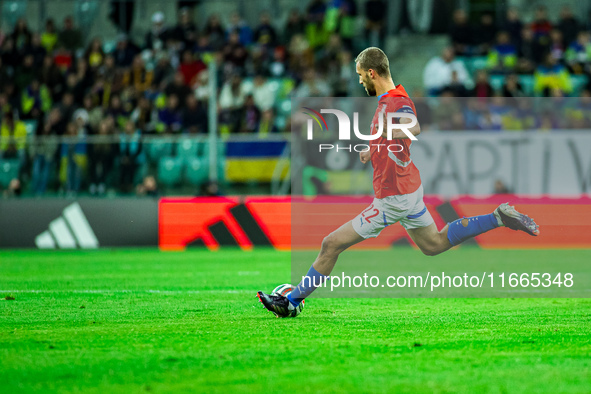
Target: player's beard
(370,88)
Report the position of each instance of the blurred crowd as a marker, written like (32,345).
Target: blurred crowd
(51,84)
(551,53)
(498,113)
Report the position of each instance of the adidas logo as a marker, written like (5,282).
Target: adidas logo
(69,231)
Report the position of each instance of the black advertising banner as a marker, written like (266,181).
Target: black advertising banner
(84,223)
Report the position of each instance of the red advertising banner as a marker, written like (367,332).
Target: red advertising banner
(248,222)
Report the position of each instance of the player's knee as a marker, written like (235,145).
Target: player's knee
(430,250)
(330,245)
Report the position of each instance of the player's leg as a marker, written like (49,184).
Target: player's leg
(367,224)
(432,242)
(332,245)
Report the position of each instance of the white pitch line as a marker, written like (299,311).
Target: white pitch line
(129,291)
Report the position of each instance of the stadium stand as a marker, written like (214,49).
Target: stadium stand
(87,114)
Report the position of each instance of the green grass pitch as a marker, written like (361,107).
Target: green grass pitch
(134,321)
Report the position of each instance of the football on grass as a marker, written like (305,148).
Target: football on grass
(284,290)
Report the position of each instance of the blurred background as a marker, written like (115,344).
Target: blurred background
(150,97)
(109,107)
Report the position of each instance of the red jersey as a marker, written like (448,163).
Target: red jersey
(394,173)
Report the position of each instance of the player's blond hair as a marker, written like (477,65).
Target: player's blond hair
(375,59)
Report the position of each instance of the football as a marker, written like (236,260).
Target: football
(284,290)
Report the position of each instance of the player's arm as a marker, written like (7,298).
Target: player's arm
(399,134)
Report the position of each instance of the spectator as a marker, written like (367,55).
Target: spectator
(568,25)
(24,75)
(343,77)
(9,60)
(312,86)
(201,87)
(532,51)
(259,61)
(50,76)
(185,31)
(541,26)
(512,87)
(94,111)
(178,88)
(80,118)
(502,58)
(513,26)
(315,32)
(162,71)
(194,116)
(144,116)
(267,123)
(264,96)
(74,86)
(235,53)
(551,75)
(238,25)
(461,33)
(73,160)
(438,72)
(5,76)
(158,34)
(118,111)
(424,112)
(215,32)
(70,37)
(125,51)
(21,37)
(49,36)
(578,54)
(484,33)
(14,189)
(130,151)
(265,34)
(170,118)
(295,25)
(94,54)
(525,115)
(190,68)
(102,154)
(482,87)
(340,19)
(231,100)
(328,57)
(442,113)
(456,86)
(278,66)
(36,50)
(148,187)
(138,77)
(557,45)
(203,46)
(14,138)
(301,55)
(35,101)
(67,109)
(250,116)
(43,152)
(111,80)
(62,58)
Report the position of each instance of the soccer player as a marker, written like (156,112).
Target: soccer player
(398,194)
